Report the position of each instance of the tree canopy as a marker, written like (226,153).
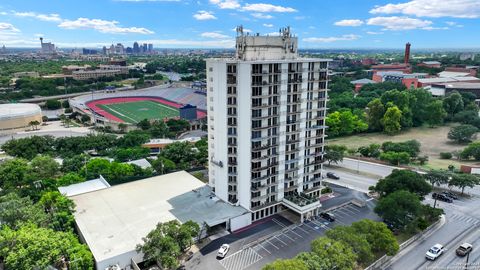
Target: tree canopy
(403,180)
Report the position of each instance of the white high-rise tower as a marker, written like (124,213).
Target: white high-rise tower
(266,125)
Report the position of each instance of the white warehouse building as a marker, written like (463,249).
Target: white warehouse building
(266,125)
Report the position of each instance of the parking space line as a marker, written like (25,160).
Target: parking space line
(337,212)
(353,208)
(261,245)
(279,223)
(270,242)
(301,229)
(284,234)
(321,224)
(278,239)
(314,227)
(292,231)
(349,211)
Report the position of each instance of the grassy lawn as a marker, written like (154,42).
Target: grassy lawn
(433,140)
(134,112)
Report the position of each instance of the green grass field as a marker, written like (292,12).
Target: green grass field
(134,112)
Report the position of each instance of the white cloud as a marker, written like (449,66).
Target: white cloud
(268,25)
(3,13)
(454,24)
(429,28)
(349,23)
(8,28)
(226,4)
(43,17)
(298,18)
(102,26)
(350,37)
(262,7)
(203,15)
(262,16)
(374,33)
(433,8)
(399,23)
(215,35)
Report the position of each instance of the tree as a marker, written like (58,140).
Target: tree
(159,129)
(412,147)
(344,123)
(419,102)
(44,167)
(133,138)
(65,104)
(462,181)
(69,179)
(176,126)
(16,211)
(85,118)
(53,104)
(435,113)
(437,177)
(163,165)
(59,210)
(334,153)
(34,124)
(286,264)
(75,163)
(167,241)
(29,147)
(403,180)
(13,174)
(453,103)
(372,150)
(391,120)
(462,133)
(181,153)
(375,112)
(399,208)
(32,247)
(472,150)
(380,238)
(357,242)
(132,153)
(144,124)
(335,254)
(395,158)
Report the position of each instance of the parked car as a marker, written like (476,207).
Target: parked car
(223,250)
(434,252)
(328,216)
(464,249)
(450,195)
(333,175)
(442,197)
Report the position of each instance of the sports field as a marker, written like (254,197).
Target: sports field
(135,111)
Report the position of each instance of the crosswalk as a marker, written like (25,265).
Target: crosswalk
(241,259)
(463,218)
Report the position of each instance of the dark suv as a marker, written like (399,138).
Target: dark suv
(442,197)
(333,175)
(450,195)
(327,216)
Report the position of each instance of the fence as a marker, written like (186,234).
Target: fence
(381,263)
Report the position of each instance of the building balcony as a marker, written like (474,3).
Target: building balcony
(316,154)
(263,177)
(290,188)
(258,187)
(265,105)
(264,205)
(273,164)
(266,116)
(301,202)
(262,158)
(259,198)
(316,127)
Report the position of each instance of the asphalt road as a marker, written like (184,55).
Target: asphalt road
(365,166)
(351,179)
(462,225)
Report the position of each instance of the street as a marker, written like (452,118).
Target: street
(462,225)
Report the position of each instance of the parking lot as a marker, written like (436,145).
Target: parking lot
(289,240)
(277,237)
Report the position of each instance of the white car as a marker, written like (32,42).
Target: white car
(223,250)
(434,252)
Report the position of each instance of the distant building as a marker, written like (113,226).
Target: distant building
(360,83)
(89,51)
(410,80)
(430,64)
(471,70)
(136,48)
(47,47)
(442,89)
(32,74)
(467,56)
(405,68)
(68,70)
(369,61)
(150,47)
(118,62)
(103,71)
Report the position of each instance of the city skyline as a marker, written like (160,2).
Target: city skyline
(211,23)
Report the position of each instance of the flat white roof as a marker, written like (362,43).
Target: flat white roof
(451,74)
(84,187)
(114,220)
(142,163)
(446,80)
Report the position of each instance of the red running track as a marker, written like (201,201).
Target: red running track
(93,105)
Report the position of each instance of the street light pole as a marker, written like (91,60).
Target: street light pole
(466,264)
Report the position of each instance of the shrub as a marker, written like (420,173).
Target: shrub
(395,158)
(445,155)
(326,190)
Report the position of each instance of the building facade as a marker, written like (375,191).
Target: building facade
(266,125)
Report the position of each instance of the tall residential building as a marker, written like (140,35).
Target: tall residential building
(136,48)
(47,47)
(266,125)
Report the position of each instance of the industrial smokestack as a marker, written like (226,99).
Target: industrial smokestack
(407,53)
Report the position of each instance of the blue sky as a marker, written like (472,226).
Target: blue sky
(210,23)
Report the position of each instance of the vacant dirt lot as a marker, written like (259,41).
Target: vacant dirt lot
(433,140)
